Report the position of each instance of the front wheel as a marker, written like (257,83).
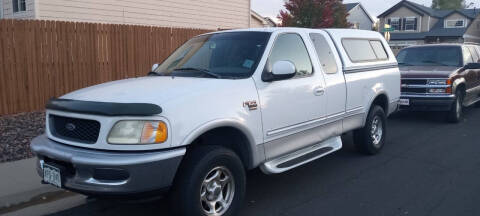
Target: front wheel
(211,182)
(456,112)
(371,138)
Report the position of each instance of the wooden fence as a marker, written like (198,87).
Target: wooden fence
(44,59)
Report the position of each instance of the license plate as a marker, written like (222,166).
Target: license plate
(52,175)
(404,102)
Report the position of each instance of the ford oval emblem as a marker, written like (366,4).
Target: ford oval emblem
(70,126)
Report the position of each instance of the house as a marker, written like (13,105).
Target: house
(258,21)
(414,24)
(359,17)
(204,14)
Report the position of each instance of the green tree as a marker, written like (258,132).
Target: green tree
(448,4)
(314,14)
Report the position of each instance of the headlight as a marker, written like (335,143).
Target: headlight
(138,132)
(437,82)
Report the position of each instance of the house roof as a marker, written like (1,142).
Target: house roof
(264,20)
(424,10)
(408,36)
(350,6)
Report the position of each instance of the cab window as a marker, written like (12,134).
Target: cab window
(467,56)
(474,53)
(325,53)
(290,47)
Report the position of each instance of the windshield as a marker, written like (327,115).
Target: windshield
(430,55)
(231,55)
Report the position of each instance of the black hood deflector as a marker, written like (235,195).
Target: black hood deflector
(104,108)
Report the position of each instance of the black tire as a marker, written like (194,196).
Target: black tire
(455,114)
(185,196)
(363,138)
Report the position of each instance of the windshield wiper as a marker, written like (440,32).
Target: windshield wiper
(205,71)
(153,73)
(435,62)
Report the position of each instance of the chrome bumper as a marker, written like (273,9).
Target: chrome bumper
(429,102)
(100,172)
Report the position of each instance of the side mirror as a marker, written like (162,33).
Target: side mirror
(472,66)
(155,66)
(281,70)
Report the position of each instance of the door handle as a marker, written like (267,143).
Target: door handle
(319,91)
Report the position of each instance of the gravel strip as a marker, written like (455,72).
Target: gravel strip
(16,132)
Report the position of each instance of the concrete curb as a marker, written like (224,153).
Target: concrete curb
(19,182)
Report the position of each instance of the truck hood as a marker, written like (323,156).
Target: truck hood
(151,89)
(427,71)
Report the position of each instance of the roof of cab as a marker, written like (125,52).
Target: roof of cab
(436,45)
(336,31)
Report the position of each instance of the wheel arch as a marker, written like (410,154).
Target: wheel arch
(231,134)
(459,84)
(381,99)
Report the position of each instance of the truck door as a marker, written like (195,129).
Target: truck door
(292,109)
(335,89)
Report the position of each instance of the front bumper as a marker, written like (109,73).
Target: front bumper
(98,172)
(428,102)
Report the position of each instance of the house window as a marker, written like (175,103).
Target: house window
(19,6)
(455,23)
(395,23)
(410,24)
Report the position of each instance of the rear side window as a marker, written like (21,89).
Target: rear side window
(325,53)
(474,53)
(467,56)
(379,49)
(364,50)
(290,47)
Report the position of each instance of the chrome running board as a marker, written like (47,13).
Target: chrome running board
(302,156)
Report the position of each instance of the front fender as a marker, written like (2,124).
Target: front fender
(456,83)
(257,152)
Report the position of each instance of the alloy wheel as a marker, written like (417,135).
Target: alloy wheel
(217,191)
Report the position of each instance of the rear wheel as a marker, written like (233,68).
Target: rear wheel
(211,182)
(371,138)
(455,114)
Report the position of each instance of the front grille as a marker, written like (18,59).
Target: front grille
(414,90)
(414,81)
(74,129)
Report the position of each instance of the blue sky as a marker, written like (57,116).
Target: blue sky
(271,8)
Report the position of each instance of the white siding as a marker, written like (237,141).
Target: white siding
(7,10)
(208,14)
(357,15)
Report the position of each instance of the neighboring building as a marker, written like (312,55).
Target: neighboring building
(1,9)
(257,21)
(359,17)
(271,22)
(417,24)
(206,14)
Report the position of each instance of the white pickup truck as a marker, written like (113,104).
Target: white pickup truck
(222,103)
